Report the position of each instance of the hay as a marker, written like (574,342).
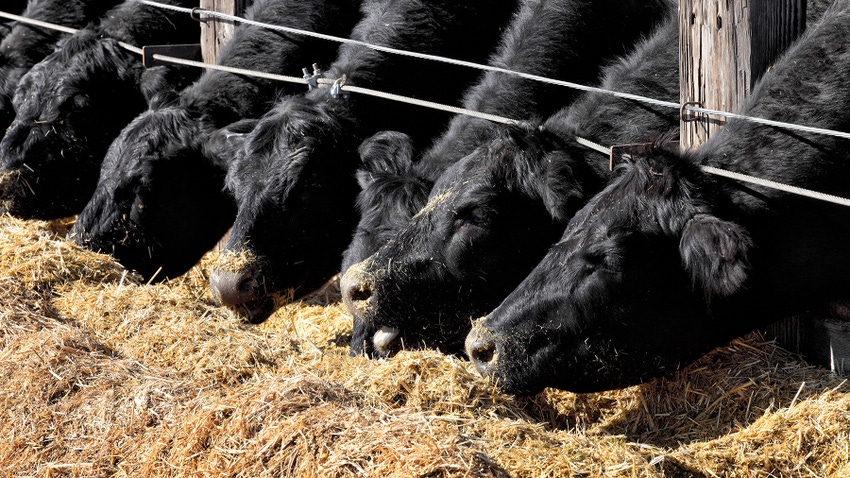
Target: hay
(103,375)
(231,261)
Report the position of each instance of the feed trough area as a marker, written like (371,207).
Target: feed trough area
(103,375)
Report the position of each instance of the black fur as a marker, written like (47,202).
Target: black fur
(492,215)
(160,200)
(71,105)
(26,45)
(390,192)
(668,262)
(564,39)
(294,183)
(15,7)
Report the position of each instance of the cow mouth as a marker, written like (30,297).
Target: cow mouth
(255,311)
(385,338)
(12,187)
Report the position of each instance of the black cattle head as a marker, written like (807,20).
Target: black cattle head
(629,291)
(488,221)
(293,184)
(391,192)
(160,201)
(69,108)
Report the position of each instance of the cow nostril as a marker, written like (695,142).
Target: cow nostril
(483,353)
(357,298)
(360,292)
(357,289)
(248,284)
(482,350)
(235,288)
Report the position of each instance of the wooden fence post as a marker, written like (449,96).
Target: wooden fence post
(725,46)
(216,31)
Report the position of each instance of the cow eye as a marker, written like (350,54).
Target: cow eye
(602,259)
(81,102)
(593,260)
(612,263)
(479,217)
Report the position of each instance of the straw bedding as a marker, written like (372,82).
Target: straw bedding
(102,375)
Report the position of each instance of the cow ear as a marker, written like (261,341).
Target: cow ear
(386,153)
(224,143)
(715,254)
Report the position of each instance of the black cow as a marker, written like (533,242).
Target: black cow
(15,7)
(25,45)
(668,261)
(160,200)
(491,216)
(294,181)
(72,104)
(564,39)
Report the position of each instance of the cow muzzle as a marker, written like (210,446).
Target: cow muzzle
(243,290)
(356,289)
(482,350)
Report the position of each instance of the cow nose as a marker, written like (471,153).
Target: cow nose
(482,350)
(235,288)
(356,289)
(13,140)
(10,183)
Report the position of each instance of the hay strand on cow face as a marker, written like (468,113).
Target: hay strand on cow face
(231,261)
(106,376)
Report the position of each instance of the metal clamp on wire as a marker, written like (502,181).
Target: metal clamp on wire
(336,88)
(693,117)
(312,80)
(627,155)
(194,14)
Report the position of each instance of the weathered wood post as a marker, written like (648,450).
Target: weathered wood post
(725,46)
(214,34)
(216,31)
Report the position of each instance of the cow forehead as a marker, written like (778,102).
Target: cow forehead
(470,177)
(435,202)
(596,223)
(32,93)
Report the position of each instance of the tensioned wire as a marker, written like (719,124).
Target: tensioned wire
(483,67)
(457,110)
(629,96)
(740,177)
(61,28)
(273,76)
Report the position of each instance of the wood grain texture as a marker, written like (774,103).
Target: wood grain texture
(724,48)
(216,31)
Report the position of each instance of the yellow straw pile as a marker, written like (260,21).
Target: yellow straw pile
(102,375)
